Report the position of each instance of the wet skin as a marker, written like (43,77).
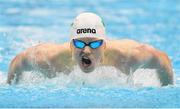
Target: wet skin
(125,55)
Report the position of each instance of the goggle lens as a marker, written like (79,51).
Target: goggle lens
(96,44)
(79,44)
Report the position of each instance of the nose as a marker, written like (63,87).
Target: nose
(87,50)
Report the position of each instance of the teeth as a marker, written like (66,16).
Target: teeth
(85,57)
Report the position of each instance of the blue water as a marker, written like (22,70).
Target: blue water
(24,23)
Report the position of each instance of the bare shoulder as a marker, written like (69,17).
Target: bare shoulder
(123,46)
(127,45)
(119,50)
(126,49)
(46,51)
(49,47)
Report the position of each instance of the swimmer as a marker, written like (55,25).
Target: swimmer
(89,48)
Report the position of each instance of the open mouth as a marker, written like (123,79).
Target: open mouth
(86,62)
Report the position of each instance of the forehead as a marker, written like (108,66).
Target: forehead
(88,39)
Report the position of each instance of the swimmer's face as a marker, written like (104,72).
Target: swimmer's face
(88,58)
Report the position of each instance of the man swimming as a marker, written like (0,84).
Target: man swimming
(88,49)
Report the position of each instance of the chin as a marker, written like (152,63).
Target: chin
(87,71)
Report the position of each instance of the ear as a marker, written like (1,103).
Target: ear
(71,45)
(104,44)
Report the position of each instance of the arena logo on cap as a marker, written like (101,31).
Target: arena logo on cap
(86,30)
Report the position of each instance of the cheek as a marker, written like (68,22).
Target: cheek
(98,54)
(76,53)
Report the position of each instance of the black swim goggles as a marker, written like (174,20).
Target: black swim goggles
(81,44)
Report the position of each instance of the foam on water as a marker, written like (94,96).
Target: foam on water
(2,78)
(101,77)
(104,87)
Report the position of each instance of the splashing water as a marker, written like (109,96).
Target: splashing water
(101,77)
(104,87)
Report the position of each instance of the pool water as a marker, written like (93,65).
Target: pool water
(24,23)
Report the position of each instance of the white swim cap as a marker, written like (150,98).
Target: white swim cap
(87,25)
